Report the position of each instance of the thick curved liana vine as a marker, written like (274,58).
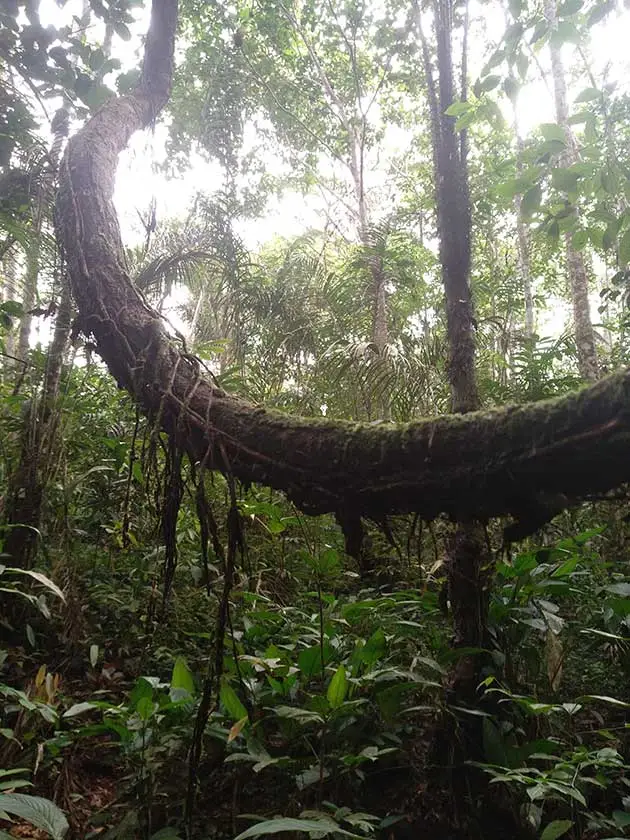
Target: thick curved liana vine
(479,465)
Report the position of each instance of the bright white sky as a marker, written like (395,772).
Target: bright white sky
(138,179)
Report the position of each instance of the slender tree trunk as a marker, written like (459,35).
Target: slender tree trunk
(195,318)
(468,563)
(9,292)
(380,328)
(31,277)
(355,128)
(38,434)
(57,349)
(576,268)
(523,243)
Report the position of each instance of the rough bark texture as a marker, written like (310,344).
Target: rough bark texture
(468,564)
(473,466)
(576,268)
(454,227)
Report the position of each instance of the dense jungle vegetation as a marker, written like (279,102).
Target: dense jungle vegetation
(314,444)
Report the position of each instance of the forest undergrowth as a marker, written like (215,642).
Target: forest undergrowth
(327,711)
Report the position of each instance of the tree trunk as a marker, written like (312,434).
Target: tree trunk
(8,292)
(39,428)
(467,561)
(576,268)
(29,287)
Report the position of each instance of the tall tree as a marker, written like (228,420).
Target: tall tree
(523,243)
(41,205)
(468,562)
(39,432)
(576,267)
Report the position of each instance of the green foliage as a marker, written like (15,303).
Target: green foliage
(40,812)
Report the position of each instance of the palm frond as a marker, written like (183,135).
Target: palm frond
(159,276)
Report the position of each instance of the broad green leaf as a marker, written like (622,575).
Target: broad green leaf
(182,677)
(522,64)
(300,715)
(489,83)
(530,202)
(495,59)
(231,703)
(310,661)
(137,473)
(564,179)
(540,30)
(579,240)
(40,578)
(567,567)
(42,813)
(122,31)
(567,790)
(511,88)
(316,827)
(565,31)
(142,688)
(13,308)
(624,248)
(553,131)
(588,95)
(514,186)
(553,231)
(374,648)
(622,588)
(556,829)
(390,699)
(11,784)
(596,235)
(145,707)
(569,7)
(456,109)
(621,818)
(605,699)
(78,709)
(168,833)
(338,688)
